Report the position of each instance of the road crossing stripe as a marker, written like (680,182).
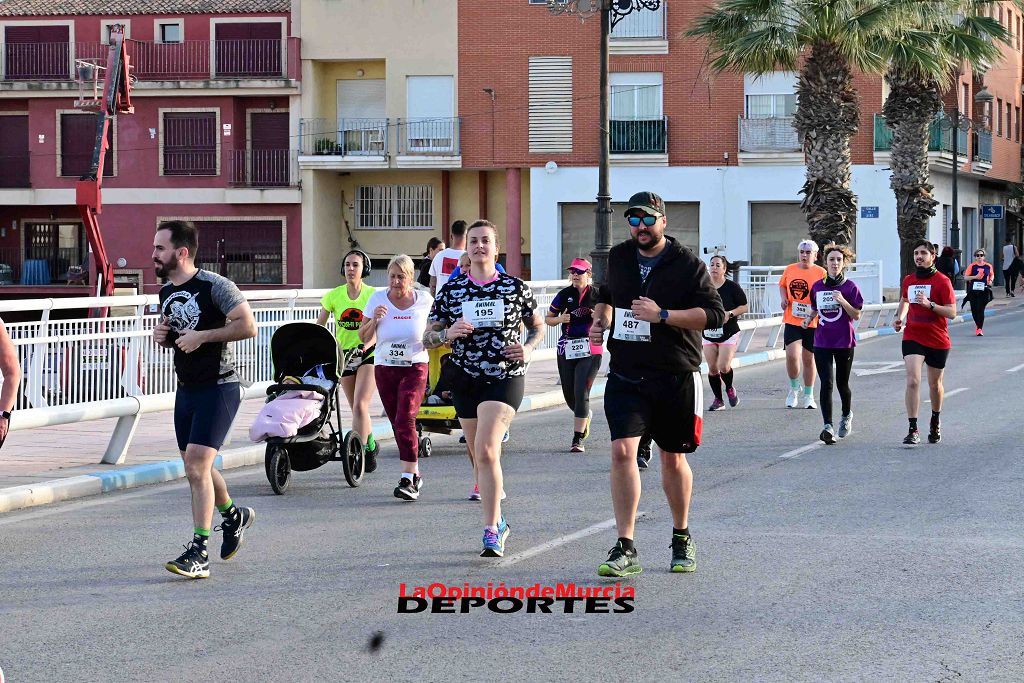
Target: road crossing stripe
(1016,368)
(800,451)
(561,540)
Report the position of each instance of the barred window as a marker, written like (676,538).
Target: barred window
(395,207)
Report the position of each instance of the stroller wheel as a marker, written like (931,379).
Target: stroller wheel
(353,460)
(426,448)
(279,469)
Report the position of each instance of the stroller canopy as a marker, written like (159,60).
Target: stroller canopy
(296,348)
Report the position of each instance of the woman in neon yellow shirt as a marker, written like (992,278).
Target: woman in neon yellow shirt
(346,303)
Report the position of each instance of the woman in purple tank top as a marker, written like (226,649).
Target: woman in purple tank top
(836,303)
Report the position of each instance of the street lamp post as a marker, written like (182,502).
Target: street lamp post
(955,124)
(611,11)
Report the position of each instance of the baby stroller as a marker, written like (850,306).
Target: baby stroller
(437,414)
(296,348)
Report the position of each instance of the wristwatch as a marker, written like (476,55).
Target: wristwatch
(6,414)
(931,305)
(663,314)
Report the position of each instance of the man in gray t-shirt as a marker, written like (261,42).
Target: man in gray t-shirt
(201,314)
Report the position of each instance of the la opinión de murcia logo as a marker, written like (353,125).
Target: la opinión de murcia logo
(563,598)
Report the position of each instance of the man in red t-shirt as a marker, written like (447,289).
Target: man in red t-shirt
(926,302)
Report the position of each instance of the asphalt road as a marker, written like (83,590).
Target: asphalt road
(866,560)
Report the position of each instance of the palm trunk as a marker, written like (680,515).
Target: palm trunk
(827,117)
(909,112)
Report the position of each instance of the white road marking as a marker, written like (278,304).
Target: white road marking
(953,392)
(1016,368)
(800,451)
(561,540)
(884,367)
(15,516)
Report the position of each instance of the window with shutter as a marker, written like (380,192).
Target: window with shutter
(550,104)
(37,53)
(248,50)
(190,143)
(246,252)
(14,171)
(78,142)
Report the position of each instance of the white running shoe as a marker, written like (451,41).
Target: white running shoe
(807,401)
(793,398)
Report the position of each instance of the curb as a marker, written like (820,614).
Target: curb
(59,490)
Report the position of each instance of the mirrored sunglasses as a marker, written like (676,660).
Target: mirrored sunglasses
(646,219)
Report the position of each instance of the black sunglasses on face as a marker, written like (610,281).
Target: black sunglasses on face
(577,271)
(646,219)
(979,256)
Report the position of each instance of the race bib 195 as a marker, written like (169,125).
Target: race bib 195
(486,313)
(630,328)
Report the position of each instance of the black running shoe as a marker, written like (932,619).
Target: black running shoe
(912,438)
(577,444)
(193,563)
(684,554)
(233,529)
(371,457)
(934,432)
(409,489)
(643,454)
(620,562)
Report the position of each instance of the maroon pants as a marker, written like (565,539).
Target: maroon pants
(401,391)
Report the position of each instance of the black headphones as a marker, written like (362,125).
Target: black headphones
(367,266)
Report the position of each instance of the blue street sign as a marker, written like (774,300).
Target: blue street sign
(869,212)
(992,212)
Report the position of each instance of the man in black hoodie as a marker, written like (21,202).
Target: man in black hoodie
(659,296)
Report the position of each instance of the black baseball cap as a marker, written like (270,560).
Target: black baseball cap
(646,201)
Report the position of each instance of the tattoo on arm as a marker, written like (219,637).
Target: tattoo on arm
(535,331)
(432,338)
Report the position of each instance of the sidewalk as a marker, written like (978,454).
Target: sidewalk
(57,463)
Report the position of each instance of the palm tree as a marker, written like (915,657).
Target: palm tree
(827,40)
(925,55)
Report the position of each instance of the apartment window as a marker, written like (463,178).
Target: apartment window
(189,143)
(1016,124)
(430,102)
(1009,120)
(999,116)
(247,252)
(78,141)
(395,207)
(769,96)
(106,25)
(770,106)
(37,52)
(170,31)
(14,150)
(635,96)
(965,97)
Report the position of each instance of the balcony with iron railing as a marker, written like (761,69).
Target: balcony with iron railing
(639,136)
(940,139)
(641,32)
(771,135)
(263,168)
(982,147)
(367,143)
(248,59)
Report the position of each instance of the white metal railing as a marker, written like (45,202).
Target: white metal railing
(773,134)
(761,285)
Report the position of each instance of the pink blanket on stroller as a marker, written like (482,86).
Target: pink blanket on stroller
(286,415)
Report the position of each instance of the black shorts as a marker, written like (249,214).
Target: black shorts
(356,360)
(798,333)
(203,415)
(933,358)
(669,407)
(469,392)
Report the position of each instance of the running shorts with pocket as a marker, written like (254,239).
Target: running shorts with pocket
(469,392)
(203,414)
(798,333)
(670,407)
(356,359)
(933,358)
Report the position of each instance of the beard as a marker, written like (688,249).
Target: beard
(164,269)
(652,241)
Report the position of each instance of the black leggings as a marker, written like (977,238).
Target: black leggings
(577,377)
(823,360)
(979,300)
